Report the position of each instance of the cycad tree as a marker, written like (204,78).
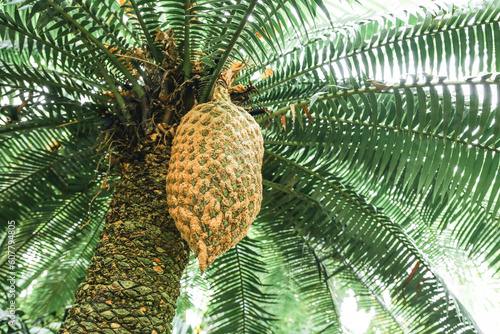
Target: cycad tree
(370,183)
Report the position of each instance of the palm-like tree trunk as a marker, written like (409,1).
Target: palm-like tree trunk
(132,282)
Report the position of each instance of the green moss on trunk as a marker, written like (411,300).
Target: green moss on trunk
(132,282)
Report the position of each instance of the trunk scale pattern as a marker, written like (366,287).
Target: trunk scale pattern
(133,280)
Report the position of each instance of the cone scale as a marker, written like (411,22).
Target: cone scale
(214,184)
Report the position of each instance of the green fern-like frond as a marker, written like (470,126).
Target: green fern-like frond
(296,271)
(382,150)
(62,272)
(368,241)
(237,301)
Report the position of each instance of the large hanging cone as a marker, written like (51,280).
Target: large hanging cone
(214,184)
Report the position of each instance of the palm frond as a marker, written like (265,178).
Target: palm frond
(423,123)
(75,119)
(47,172)
(61,272)
(237,301)
(475,156)
(296,270)
(366,239)
(345,278)
(223,57)
(398,158)
(36,45)
(347,57)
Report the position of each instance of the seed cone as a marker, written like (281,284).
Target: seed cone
(214,184)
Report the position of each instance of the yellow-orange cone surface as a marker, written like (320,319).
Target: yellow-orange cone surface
(214,184)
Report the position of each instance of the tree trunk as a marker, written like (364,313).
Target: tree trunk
(132,282)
